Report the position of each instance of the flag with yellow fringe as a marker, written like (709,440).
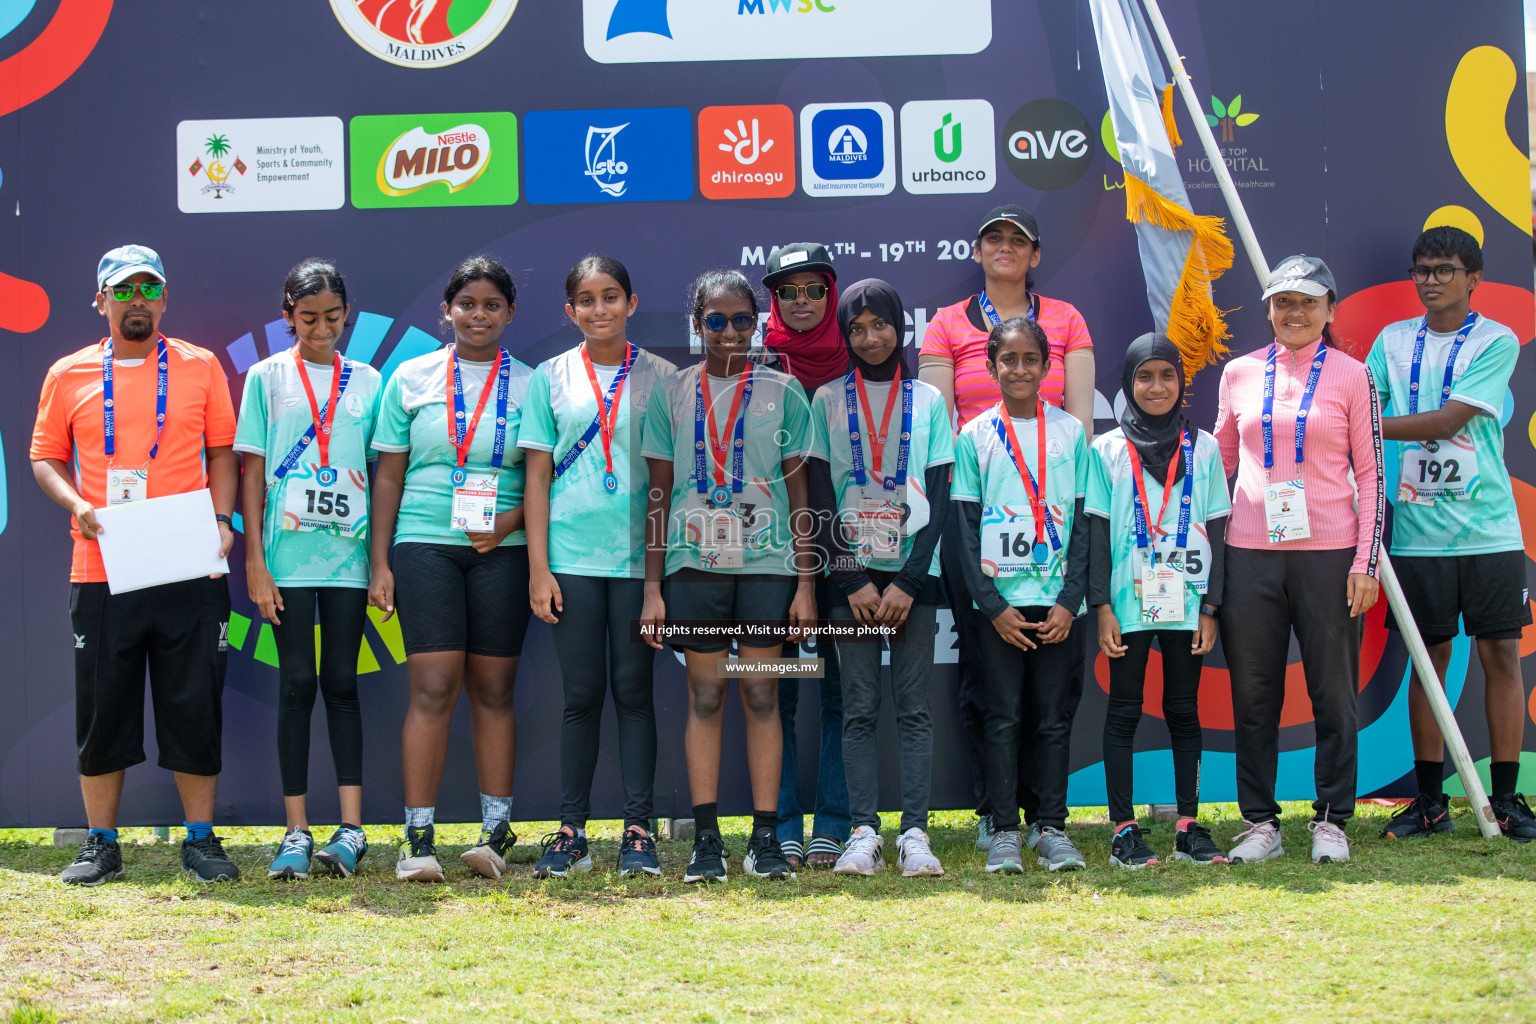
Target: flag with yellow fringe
(1182,252)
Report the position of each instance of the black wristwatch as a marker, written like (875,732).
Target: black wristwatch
(221,517)
(1208,609)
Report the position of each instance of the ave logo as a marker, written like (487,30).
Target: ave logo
(434,160)
(1047,144)
(946,146)
(747,152)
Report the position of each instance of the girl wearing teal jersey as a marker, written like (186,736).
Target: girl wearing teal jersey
(306,420)
(727,514)
(586,516)
(1157,505)
(449,492)
(1020,473)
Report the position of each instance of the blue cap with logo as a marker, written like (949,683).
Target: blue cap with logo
(123,262)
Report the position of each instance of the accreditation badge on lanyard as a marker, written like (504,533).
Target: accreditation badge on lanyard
(1432,470)
(1285,504)
(1160,580)
(1007,551)
(474,489)
(319,497)
(714,500)
(128,483)
(882,510)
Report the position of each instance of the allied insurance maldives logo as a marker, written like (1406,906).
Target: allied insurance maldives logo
(423,33)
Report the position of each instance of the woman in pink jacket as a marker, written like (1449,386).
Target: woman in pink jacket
(1299,424)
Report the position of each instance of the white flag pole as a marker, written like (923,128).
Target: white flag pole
(1424,669)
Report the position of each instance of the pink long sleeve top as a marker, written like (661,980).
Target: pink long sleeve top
(1343,437)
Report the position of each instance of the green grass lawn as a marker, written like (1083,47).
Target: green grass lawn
(1431,931)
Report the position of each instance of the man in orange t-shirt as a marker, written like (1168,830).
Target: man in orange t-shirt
(139,415)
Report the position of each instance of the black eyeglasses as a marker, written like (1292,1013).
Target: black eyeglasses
(1444,273)
(790,292)
(743,322)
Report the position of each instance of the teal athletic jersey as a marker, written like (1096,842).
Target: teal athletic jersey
(593,532)
(274,414)
(413,418)
(1112,496)
(932,444)
(778,427)
(1464,504)
(985,474)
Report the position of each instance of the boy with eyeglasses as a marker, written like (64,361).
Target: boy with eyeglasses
(1456,536)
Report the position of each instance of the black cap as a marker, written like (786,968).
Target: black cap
(1015,215)
(797,258)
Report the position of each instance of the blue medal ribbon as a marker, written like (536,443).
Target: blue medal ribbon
(1301,411)
(1450,363)
(1139,512)
(720,496)
(855,437)
(610,480)
(1041,553)
(292,458)
(461,427)
(108,400)
(990,311)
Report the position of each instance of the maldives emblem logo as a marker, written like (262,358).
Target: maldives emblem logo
(217,149)
(423,33)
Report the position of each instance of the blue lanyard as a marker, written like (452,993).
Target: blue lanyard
(1301,411)
(108,402)
(461,426)
(292,458)
(1450,364)
(855,439)
(609,482)
(720,496)
(1140,512)
(1044,510)
(990,311)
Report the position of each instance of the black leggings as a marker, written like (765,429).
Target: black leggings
(588,666)
(342,613)
(1181,710)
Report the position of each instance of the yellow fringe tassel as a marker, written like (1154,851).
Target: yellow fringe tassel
(1168,121)
(1195,325)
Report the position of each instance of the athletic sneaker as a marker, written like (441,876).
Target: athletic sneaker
(637,853)
(862,855)
(1032,840)
(344,852)
(984,833)
(1056,852)
(1515,818)
(1329,844)
(99,860)
(820,852)
(1260,841)
(1194,844)
(708,861)
(765,857)
(1129,849)
(565,853)
(914,854)
(418,856)
(488,857)
(1425,816)
(292,860)
(206,861)
(1004,855)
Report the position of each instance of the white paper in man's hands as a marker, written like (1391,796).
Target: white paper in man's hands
(160,540)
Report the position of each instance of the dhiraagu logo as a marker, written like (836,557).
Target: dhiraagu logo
(414,160)
(946,146)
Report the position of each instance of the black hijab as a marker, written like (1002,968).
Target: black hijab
(882,300)
(1156,437)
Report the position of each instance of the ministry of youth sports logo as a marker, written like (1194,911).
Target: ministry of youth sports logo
(423,33)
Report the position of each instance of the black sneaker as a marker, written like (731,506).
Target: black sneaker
(1514,817)
(206,861)
(1195,845)
(489,856)
(98,861)
(708,861)
(1130,850)
(637,853)
(564,854)
(1422,817)
(765,857)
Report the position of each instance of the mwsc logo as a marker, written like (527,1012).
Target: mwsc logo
(1047,144)
(414,160)
(423,33)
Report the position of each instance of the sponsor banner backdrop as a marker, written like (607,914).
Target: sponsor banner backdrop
(679,136)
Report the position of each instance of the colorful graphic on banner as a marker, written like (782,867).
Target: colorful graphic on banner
(847,149)
(403,160)
(747,152)
(423,33)
(255,164)
(594,156)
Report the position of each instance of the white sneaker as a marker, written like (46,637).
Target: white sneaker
(1329,843)
(914,854)
(1259,842)
(862,854)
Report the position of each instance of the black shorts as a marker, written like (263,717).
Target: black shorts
(451,597)
(727,597)
(1489,592)
(180,633)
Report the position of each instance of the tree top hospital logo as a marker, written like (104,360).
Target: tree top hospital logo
(847,149)
(423,33)
(589,156)
(1047,144)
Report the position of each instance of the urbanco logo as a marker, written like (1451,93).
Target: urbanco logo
(412,160)
(623,155)
(423,33)
(1047,144)
(946,146)
(747,152)
(847,149)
